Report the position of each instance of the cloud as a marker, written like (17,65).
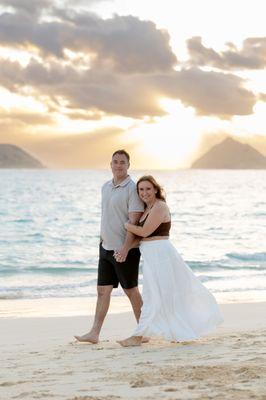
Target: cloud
(210,93)
(84,115)
(119,66)
(121,43)
(252,55)
(135,96)
(27,118)
(87,90)
(36,6)
(85,3)
(30,7)
(262,97)
(20,31)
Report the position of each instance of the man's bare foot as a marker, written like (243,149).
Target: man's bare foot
(88,338)
(131,341)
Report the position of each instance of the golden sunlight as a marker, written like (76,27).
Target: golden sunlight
(168,142)
(21,56)
(16,102)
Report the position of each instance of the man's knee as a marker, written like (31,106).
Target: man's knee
(132,292)
(104,291)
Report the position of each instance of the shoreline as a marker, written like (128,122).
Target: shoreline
(76,306)
(238,317)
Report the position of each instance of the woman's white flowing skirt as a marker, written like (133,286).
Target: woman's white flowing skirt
(175,303)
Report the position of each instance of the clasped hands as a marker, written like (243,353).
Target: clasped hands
(120,255)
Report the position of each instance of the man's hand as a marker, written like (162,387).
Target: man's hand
(121,254)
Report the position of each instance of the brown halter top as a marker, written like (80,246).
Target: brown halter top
(162,230)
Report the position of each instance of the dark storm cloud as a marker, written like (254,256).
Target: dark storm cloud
(252,55)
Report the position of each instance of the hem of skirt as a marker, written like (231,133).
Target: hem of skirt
(166,337)
(155,333)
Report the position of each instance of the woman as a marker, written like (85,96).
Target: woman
(175,303)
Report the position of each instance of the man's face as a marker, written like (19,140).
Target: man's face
(119,166)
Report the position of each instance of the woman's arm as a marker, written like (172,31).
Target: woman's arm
(155,218)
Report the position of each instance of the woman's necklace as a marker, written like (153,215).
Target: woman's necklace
(147,211)
(150,207)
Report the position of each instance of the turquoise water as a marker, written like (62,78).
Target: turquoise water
(49,231)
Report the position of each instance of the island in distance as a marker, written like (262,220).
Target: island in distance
(12,156)
(231,154)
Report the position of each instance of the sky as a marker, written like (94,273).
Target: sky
(165,80)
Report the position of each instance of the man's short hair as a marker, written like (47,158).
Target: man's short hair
(122,152)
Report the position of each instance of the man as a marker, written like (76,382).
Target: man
(118,262)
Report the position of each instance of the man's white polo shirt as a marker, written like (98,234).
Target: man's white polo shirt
(117,202)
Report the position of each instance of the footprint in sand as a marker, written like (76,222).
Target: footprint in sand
(26,395)
(144,363)
(140,383)
(6,384)
(95,398)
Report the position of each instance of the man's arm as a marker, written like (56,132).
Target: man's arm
(121,254)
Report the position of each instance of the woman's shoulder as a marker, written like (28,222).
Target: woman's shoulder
(160,205)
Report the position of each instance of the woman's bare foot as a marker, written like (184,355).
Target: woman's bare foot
(131,341)
(88,338)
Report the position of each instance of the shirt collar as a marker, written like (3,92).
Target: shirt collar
(123,183)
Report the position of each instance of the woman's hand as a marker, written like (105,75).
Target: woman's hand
(126,225)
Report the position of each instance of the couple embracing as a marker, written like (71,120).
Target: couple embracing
(136,220)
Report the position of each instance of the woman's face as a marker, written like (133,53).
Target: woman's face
(147,192)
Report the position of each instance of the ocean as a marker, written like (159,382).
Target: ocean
(49,231)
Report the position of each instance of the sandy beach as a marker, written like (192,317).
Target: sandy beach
(40,360)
